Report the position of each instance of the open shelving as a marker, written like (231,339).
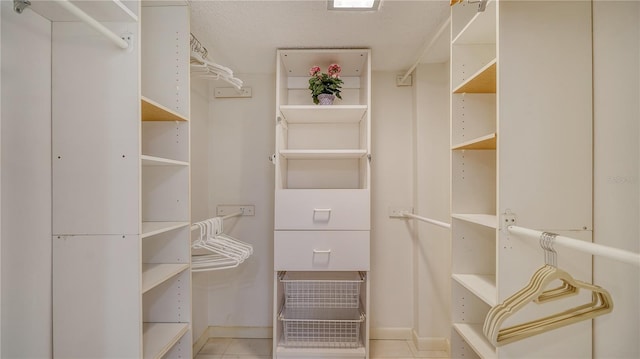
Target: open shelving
(159,338)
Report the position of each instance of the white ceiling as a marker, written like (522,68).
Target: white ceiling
(244,35)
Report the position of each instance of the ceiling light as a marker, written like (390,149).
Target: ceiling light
(353,4)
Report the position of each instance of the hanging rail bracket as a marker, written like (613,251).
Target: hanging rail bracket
(20,5)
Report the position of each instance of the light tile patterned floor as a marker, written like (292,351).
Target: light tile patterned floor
(228,348)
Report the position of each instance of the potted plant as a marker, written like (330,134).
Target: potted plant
(325,86)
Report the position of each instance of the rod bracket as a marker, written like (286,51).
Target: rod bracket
(20,5)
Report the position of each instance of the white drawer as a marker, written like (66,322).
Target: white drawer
(321,250)
(313,209)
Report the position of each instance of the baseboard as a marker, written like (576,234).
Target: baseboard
(430,343)
(390,333)
(202,340)
(241,332)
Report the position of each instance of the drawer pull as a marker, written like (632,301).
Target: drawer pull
(321,214)
(322,209)
(325,251)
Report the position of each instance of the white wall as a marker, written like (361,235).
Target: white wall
(616,169)
(391,185)
(26,184)
(241,138)
(432,245)
(199,199)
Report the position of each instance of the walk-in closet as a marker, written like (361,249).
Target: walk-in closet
(324,179)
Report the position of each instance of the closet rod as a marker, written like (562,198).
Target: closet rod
(93,23)
(587,247)
(236,214)
(427,48)
(428,220)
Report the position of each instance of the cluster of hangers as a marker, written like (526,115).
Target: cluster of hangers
(214,249)
(536,291)
(202,67)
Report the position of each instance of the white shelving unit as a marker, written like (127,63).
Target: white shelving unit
(519,146)
(121,188)
(322,204)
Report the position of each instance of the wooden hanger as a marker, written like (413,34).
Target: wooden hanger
(601,302)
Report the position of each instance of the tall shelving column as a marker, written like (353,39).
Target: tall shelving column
(165,189)
(121,247)
(521,151)
(322,209)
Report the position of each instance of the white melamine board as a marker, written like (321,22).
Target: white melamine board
(487,220)
(461,14)
(153,274)
(322,209)
(169,302)
(331,114)
(483,286)
(153,111)
(165,56)
(473,181)
(26,184)
(154,228)
(172,245)
(297,62)
(472,115)
(104,10)
(481,29)
(321,250)
(468,308)
(183,347)
(95,134)
(302,83)
(472,334)
(323,173)
(159,338)
(545,126)
(89,289)
(302,97)
(165,194)
(166,140)
(486,142)
(324,136)
(158,161)
(459,348)
(468,60)
(474,248)
(322,154)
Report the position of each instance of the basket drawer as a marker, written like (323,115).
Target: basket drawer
(336,209)
(321,328)
(321,250)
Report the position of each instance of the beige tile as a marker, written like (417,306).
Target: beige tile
(389,349)
(208,356)
(427,353)
(215,346)
(234,356)
(255,347)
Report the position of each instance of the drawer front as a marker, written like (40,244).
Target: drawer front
(321,250)
(334,209)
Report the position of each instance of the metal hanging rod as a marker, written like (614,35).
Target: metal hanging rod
(587,247)
(236,214)
(20,5)
(428,220)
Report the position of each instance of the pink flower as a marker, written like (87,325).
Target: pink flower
(334,70)
(314,70)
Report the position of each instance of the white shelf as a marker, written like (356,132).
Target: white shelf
(322,154)
(285,352)
(103,11)
(323,114)
(481,29)
(483,286)
(483,81)
(158,161)
(472,334)
(152,228)
(297,62)
(487,220)
(153,274)
(153,111)
(487,142)
(159,338)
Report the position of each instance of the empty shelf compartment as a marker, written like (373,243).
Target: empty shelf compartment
(322,289)
(321,327)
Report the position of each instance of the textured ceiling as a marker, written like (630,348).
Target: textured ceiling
(244,35)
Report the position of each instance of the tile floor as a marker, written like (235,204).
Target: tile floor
(228,348)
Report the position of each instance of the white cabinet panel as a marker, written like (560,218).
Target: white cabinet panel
(321,250)
(322,209)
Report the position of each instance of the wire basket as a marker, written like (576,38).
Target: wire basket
(322,289)
(321,327)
